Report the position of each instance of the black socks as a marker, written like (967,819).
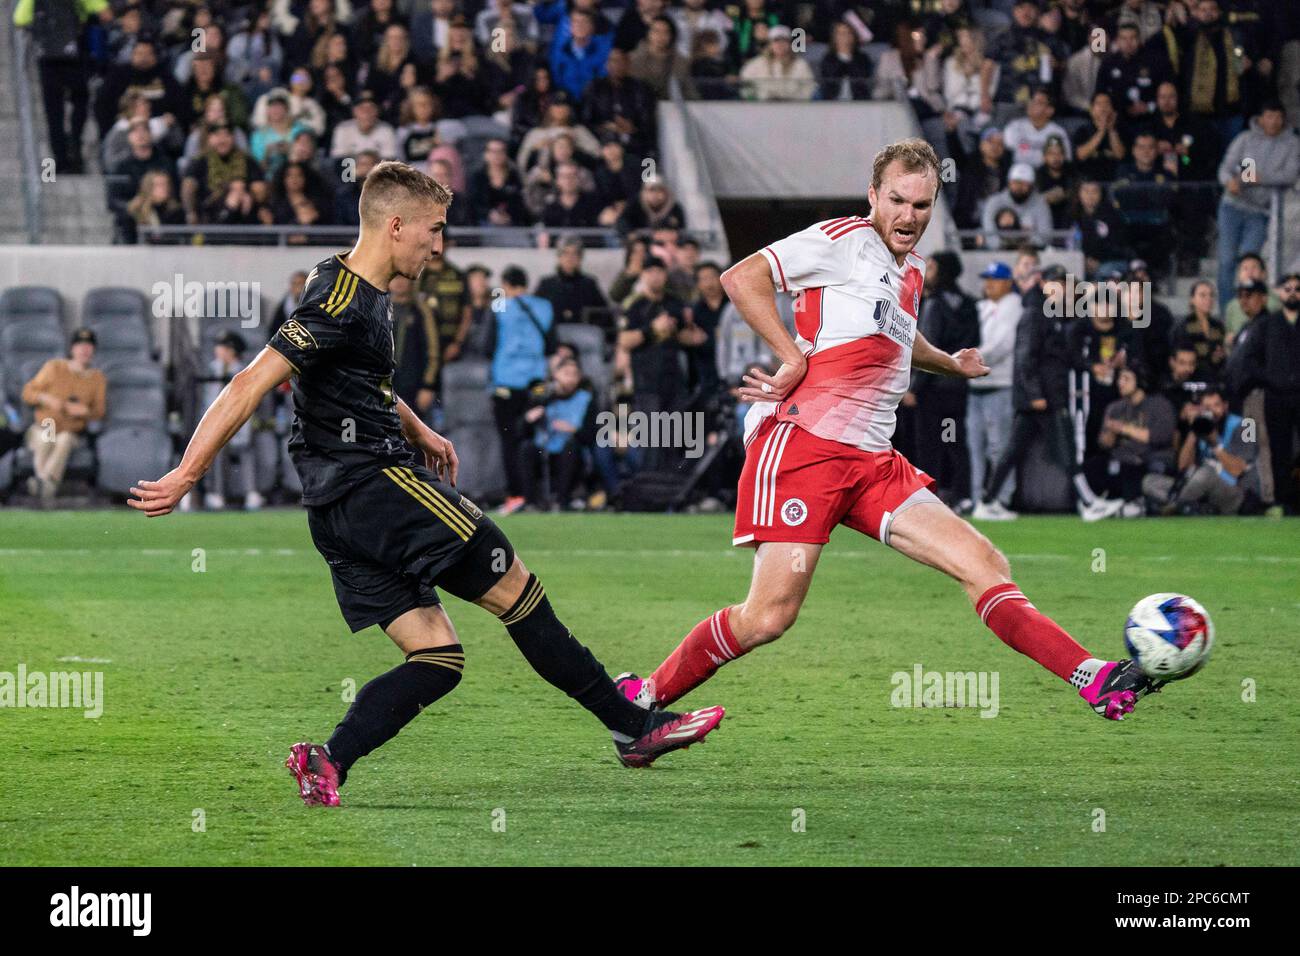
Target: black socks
(392,700)
(562,662)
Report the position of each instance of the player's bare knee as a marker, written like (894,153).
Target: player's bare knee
(765,624)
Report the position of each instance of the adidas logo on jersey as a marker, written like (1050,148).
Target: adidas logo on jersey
(885,278)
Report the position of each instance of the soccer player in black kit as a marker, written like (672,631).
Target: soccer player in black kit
(382,506)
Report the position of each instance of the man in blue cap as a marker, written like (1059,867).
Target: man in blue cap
(989,413)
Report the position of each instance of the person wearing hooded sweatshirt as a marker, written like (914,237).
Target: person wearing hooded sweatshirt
(950,321)
(1265,155)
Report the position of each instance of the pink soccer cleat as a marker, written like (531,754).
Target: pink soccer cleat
(668,732)
(1117,688)
(317,776)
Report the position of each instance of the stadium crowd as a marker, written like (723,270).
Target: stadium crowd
(1122,129)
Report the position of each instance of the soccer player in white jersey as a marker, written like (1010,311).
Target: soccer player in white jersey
(818,442)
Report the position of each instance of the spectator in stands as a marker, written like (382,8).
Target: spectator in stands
(213,170)
(845,71)
(634,25)
(708,301)
(694,17)
(347,194)
(1250,268)
(364,131)
(317,23)
(658,63)
(459,83)
(1191,142)
(989,408)
(1265,156)
(777,73)
(636,249)
(1031,211)
(1098,145)
(62,66)
(1137,434)
(531,107)
(370,27)
(1027,135)
(155,204)
(270,143)
(335,100)
(1150,323)
(574,295)
(479,299)
(496,193)
(417,132)
(559,122)
(665,243)
(653,331)
(145,74)
(506,15)
(581,58)
(205,82)
(1144,195)
(1145,15)
(237,206)
(906,73)
(333,51)
(1130,75)
(1080,80)
(299,196)
(304,111)
(540,183)
(384,75)
(1040,395)
(126,177)
(1182,384)
(442,288)
(1216,464)
(255,57)
(981,174)
(524,329)
(416,354)
(232,473)
(164,130)
(655,207)
(211,42)
(620,107)
(711,71)
(1098,229)
(1056,182)
(214,114)
(1203,332)
(561,423)
(66,395)
(968,83)
(1100,344)
(121,33)
(507,68)
(950,321)
(1023,58)
(430,28)
(1272,362)
(458,213)
(570,207)
(1208,62)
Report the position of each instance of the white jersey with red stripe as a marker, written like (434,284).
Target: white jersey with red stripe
(855,320)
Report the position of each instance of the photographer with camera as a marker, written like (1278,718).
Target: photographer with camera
(1216,464)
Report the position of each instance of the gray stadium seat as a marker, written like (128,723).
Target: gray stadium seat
(472,429)
(24,348)
(135,401)
(134,373)
(24,303)
(128,453)
(590,343)
(211,329)
(118,338)
(120,318)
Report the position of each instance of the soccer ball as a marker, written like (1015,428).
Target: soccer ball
(1169,635)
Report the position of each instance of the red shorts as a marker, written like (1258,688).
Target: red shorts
(796,487)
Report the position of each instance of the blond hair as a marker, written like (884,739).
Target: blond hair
(915,155)
(391,186)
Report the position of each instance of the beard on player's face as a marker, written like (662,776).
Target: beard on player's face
(894,212)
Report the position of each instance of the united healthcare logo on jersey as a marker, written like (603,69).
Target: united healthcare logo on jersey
(894,322)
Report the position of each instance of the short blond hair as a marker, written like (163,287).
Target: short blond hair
(392,186)
(915,155)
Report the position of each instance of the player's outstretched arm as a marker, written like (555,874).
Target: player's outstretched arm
(750,286)
(966,363)
(233,407)
(439,454)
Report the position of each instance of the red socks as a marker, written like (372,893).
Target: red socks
(709,645)
(1024,628)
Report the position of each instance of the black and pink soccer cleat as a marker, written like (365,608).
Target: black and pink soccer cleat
(317,776)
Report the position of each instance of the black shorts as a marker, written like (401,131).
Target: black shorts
(391,537)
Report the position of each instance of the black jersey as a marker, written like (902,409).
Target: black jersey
(340,343)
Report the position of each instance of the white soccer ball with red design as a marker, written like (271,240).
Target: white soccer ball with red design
(1169,635)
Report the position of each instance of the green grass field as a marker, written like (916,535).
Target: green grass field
(208,677)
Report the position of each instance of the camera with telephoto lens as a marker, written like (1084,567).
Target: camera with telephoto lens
(1204,425)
